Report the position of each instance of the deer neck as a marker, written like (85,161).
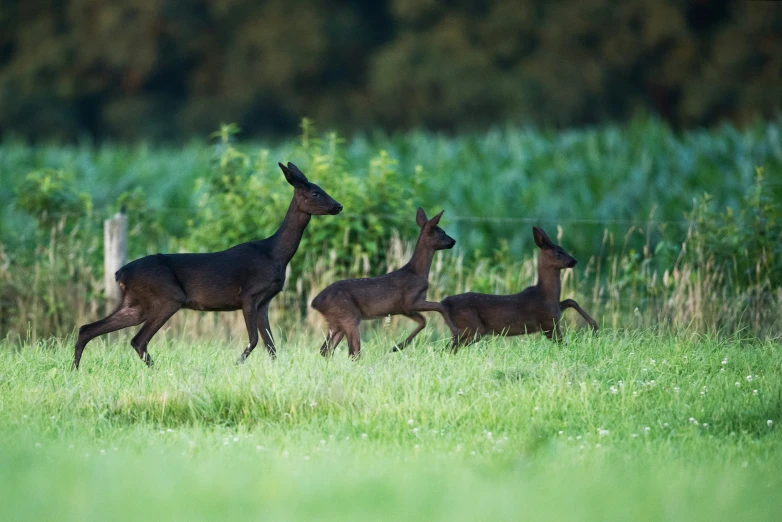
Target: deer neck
(288,236)
(549,282)
(421,262)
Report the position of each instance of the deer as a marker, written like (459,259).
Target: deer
(536,308)
(245,277)
(346,303)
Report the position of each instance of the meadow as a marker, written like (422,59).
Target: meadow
(625,425)
(671,411)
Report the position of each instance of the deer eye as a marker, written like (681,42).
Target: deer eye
(315,194)
(559,255)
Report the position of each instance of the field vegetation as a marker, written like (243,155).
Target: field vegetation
(671,411)
(684,227)
(638,425)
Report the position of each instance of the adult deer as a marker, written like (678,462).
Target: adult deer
(536,308)
(245,277)
(346,303)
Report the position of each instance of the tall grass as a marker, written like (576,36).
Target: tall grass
(62,291)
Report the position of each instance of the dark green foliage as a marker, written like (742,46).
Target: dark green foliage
(50,196)
(245,197)
(173,69)
(745,242)
(621,194)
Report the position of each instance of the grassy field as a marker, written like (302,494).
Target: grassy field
(622,426)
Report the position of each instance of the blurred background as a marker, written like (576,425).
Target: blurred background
(645,135)
(173,69)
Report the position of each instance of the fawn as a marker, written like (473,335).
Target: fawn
(346,303)
(534,309)
(245,277)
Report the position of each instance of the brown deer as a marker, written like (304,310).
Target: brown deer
(346,303)
(245,277)
(536,308)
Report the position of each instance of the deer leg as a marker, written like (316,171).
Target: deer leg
(464,338)
(455,342)
(333,339)
(354,339)
(123,317)
(265,329)
(553,332)
(418,318)
(250,311)
(570,303)
(150,328)
(429,306)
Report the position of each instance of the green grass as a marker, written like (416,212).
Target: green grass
(622,426)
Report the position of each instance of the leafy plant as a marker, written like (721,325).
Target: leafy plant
(745,242)
(50,196)
(245,197)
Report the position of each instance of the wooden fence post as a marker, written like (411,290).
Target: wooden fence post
(115,255)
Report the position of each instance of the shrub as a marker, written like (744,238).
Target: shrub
(245,197)
(744,243)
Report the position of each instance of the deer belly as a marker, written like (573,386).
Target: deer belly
(522,328)
(221,296)
(213,302)
(509,322)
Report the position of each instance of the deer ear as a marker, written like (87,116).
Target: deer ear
(420,217)
(541,239)
(435,220)
(294,176)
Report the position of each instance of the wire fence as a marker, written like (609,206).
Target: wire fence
(465,218)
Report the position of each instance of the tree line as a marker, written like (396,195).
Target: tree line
(169,69)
